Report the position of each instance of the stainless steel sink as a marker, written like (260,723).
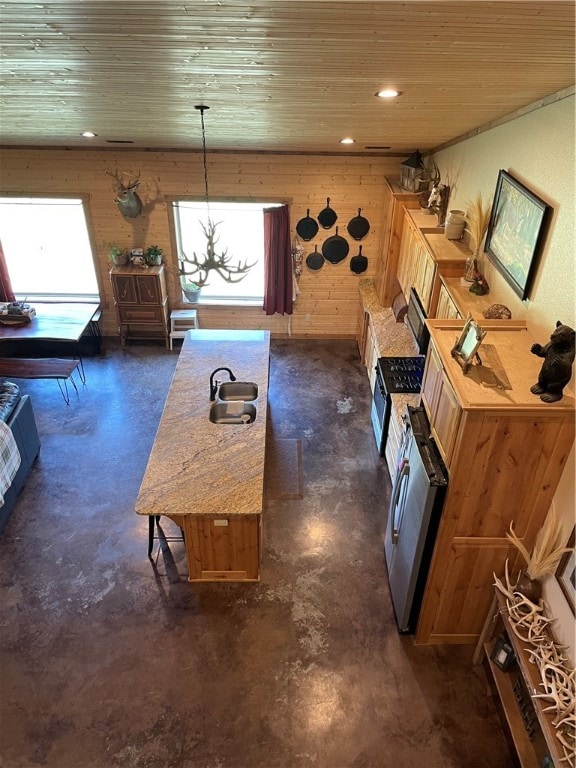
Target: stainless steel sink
(232,413)
(238,390)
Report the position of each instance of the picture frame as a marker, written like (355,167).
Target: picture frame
(503,655)
(468,343)
(516,232)
(566,572)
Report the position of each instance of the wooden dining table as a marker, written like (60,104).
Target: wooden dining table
(56,325)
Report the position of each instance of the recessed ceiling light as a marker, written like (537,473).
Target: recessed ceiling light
(89,135)
(388,93)
(346,141)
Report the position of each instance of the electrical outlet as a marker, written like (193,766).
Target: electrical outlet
(308,318)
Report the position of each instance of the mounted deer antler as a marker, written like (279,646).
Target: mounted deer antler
(219,262)
(127,199)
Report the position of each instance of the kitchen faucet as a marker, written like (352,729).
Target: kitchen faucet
(214,384)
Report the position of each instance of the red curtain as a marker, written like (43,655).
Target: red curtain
(278,285)
(6,292)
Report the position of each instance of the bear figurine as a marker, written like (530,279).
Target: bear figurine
(556,369)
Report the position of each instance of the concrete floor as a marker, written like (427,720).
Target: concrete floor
(107,662)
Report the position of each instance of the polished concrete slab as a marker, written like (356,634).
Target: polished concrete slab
(108,660)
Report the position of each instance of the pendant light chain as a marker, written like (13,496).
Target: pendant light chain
(202,109)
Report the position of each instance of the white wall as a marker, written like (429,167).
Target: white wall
(537,149)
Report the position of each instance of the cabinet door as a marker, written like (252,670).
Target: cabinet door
(431,382)
(124,289)
(446,420)
(446,306)
(424,275)
(148,289)
(441,405)
(222,548)
(405,260)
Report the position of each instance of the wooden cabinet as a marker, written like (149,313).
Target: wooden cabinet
(396,201)
(505,451)
(459,297)
(141,302)
(426,255)
(446,307)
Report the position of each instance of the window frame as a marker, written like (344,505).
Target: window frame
(263,200)
(86,199)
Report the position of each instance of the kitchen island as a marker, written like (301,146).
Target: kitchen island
(207,477)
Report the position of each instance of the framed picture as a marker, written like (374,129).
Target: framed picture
(516,232)
(566,573)
(468,343)
(503,654)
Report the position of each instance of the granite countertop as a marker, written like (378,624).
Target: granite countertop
(393,339)
(197,467)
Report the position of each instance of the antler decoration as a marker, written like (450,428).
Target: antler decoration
(211,260)
(529,623)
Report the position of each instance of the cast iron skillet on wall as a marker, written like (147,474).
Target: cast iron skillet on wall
(358,227)
(315,260)
(327,216)
(307,227)
(359,263)
(335,248)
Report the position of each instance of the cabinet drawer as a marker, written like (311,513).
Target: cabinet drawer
(141,314)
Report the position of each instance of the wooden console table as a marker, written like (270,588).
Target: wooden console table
(531,751)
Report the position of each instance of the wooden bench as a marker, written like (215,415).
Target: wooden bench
(41,368)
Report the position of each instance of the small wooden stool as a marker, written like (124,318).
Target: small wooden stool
(182,320)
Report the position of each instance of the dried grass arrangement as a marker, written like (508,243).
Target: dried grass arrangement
(477,218)
(548,548)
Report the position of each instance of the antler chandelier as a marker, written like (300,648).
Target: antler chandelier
(197,269)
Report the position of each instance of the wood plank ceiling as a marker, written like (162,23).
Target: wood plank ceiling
(287,76)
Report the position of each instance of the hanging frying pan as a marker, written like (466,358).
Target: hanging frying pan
(307,227)
(315,260)
(327,216)
(359,263)
(358,227)
(335,248)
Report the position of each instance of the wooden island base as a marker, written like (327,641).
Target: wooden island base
(220,548)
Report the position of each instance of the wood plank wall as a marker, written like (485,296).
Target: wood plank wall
(327,304)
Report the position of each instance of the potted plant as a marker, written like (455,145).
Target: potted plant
(116,255)
(154,255)
(191,291)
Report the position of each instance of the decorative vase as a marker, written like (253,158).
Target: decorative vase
(530,588)
(455,223)
(470,268)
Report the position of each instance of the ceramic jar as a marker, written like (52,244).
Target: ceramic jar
(455,223)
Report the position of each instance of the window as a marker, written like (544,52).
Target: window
(240,230)
(47,248)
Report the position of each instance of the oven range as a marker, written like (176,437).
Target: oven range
(393,375)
